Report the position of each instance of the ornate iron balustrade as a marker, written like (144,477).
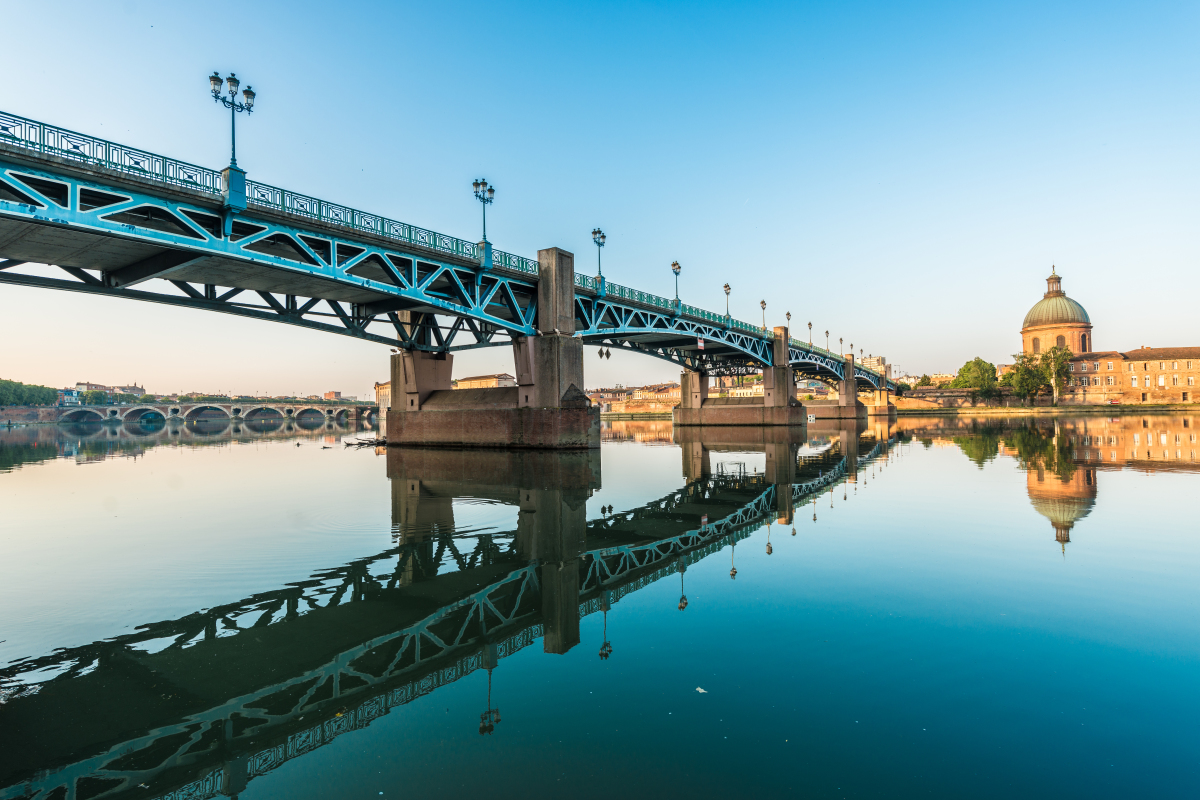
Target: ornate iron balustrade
(39,137)
(42,138)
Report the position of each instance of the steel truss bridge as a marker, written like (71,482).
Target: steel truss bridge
(260,730)
(113,218)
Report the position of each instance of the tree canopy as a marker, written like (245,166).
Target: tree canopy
(14,393)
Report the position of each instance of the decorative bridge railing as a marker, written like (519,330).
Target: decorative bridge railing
(39,137)
(686,321)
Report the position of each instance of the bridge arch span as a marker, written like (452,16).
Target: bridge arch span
(205,411)
(142,412)
(82,415)
(263,412)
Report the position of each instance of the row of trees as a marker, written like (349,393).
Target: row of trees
(14,393)
(1030,375)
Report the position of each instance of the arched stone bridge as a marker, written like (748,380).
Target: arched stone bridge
(249,410)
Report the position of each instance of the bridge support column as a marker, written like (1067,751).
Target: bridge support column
(547,408)
(777,406)
(881,403)
(847,406)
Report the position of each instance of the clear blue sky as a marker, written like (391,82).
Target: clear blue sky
(901,174)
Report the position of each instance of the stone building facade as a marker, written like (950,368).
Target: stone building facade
(1146,375)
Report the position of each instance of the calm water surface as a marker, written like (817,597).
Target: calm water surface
(935,607)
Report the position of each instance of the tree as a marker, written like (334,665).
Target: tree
(1025,378)
(925,381)
(980,376)
(1054,367)
(15,393)
(94,397)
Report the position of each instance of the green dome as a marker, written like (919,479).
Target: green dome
(1056,310)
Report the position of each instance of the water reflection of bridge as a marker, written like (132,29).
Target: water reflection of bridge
(209,701)
(96,441)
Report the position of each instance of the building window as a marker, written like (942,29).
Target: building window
(1174,365)
(1071,366)
(1037,345)
(1185,397)
(1061,341)
(1133,381)
(1083,348)
(1191,380)
(1162,380)
(1189,365)
(1083,367)
(1143,397)
(1174,380)
(1110,366)
(1162,365)
(1110,380)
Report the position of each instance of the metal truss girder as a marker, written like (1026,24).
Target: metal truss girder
(196,242)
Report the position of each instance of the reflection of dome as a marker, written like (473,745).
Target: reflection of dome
(1056,310)
(1063,512)
(1063,502)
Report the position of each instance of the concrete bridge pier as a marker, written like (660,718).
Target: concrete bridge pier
(780,470)
(881,403)
(547,408)
(777,406)
(847,406)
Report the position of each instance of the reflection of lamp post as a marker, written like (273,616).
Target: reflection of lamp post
(769,548)
(606,648)
(489,719)
(682,594)
(732,568)
(214,82)
(727,301)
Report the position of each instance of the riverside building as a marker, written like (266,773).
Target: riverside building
(1151,375)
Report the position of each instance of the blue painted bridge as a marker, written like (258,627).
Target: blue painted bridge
(114,218)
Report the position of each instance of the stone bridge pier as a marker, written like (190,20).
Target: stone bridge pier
(547,408)
(777,406)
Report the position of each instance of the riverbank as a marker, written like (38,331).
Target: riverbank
(612,415)
(1025,411)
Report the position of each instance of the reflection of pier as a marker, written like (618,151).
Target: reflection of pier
(202,704)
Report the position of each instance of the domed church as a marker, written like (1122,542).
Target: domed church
(1057,320)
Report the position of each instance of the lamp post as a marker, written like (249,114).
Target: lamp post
(763,305)
(810,334)
(675,268)
(486,195)
(598,237)
(826,340)
(214,82)
(727,301)
(788,316)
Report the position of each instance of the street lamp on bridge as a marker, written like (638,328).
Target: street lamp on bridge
(727,301)
(214,82)
(810,334)
(827,340)
(763,305)
(598,237)
(486,195)
(675,268)
(788,317)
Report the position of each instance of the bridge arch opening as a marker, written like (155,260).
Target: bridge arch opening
(206,412)
(82,415)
